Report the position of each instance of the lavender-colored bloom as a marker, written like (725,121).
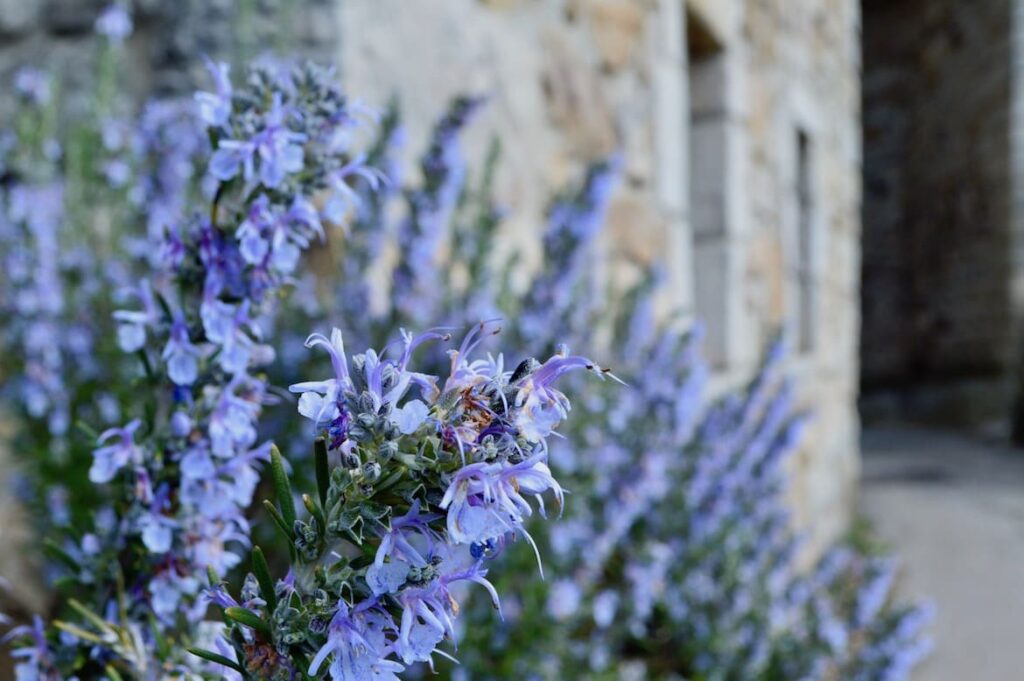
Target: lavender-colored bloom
(542,406)
(33,85)
(121,450)
(33,660)
(273,240)
(181,424)
(357,646)
(181,355)
(231,426)
(276,149)
(229,326)
(215,107)
(343,198)
(428,611)
(114,23)
(132,324)
(396,553)
(485,501)
(157,532)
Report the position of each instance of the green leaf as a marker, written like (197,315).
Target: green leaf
(390,480)
(316,512)
(288,532)
(323,474)
(262,572)
(76,630)
(112,673)
(217,659)
(163,648)
(87,430)
(282,487)
(248,618)
(88,614)
(345,520)
(373,510)
(278,519)
(66,582)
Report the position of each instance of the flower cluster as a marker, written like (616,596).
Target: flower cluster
(436,477)
(169,145)
(30,228)
(416,291)
(554,304)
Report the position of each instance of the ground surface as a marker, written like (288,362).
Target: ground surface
(953,508)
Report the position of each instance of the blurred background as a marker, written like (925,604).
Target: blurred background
(852,171)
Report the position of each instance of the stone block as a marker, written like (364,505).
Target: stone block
(618,27)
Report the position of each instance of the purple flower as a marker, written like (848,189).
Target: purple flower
(211,537)
(428,612)
(275,240)
(540,406)
(181,424)
(36,663)
(157,532)
(277,149)
(132,324)
(357,644)
(232,426)
(166,591)
(396,546)
(485,500)
(215,107)
(110,458)
(226,325)
(343,197)
(114,23)
(33,85)
(181,355)
(318,399)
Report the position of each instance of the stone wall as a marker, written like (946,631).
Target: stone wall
(938,333)
(720,108)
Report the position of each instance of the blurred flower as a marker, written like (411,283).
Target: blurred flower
(114,23)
